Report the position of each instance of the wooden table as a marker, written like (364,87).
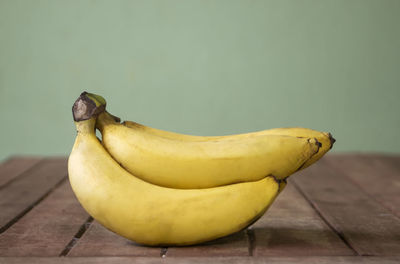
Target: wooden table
(344,209)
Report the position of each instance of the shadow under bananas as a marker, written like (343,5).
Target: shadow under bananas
(268,241)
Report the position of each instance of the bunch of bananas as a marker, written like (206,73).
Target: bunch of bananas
(162,188)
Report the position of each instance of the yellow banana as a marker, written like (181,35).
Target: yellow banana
(154,215)
(324,138)
(166,162)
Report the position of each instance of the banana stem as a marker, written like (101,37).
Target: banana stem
(86,126)
(105,119)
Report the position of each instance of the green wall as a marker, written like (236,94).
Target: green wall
(202,67)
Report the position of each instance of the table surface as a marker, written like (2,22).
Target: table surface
(343,209)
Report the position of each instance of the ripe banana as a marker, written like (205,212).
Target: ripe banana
(151,214)
(166,162)
(324,138)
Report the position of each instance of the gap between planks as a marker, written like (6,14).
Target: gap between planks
(250,241)
(368,226)
(339,234)
(31,206)
(163,252)
(17,171)
(365,161)
(19,194)
(77,236)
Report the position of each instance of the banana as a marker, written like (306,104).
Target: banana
(324,138)
(166,162)
(151,214)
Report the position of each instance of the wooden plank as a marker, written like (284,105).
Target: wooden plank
(207,260)
(233,245)
(14,167)
(47,229)
(98,241)
(291,227)
(374,174)
(366,225)
(21,194)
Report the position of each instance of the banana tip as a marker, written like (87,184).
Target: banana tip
(332,139)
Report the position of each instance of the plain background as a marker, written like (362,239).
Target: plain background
(202,67)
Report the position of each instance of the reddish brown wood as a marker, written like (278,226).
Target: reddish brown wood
(14,167)
(98,241)
(206,260)
(47,229)
(291,227)
(356,195)
(21,194)
(233,245)
(366,225)
(374,174)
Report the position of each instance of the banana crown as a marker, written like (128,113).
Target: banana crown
(88,106)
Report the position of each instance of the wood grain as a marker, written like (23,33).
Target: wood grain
(341,206)
(206,260)
(374,174)
(366,225)
(291,227)
(47,229)
(98,241)
(15,166)
(23,193)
